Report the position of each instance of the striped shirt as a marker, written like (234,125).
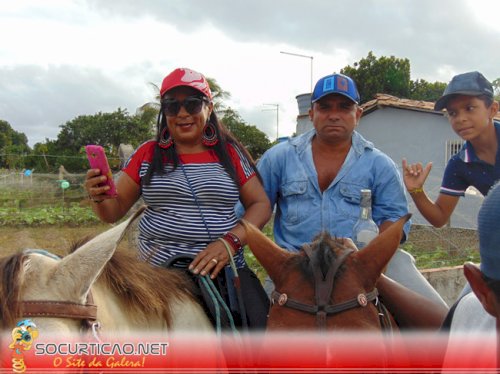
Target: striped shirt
(172,223)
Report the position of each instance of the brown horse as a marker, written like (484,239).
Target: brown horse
(95,283)
(328,284)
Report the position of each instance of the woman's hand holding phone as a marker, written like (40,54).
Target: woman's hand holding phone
(99,182)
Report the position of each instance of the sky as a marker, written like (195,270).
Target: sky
(63,58)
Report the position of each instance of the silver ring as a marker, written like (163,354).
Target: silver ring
(214,260)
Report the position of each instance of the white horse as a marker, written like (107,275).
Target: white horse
(95,283)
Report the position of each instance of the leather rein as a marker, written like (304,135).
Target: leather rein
(323,292)
(87,312)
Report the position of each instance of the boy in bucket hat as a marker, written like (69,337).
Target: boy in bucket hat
(470,108)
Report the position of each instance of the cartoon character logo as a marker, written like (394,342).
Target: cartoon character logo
(23,336)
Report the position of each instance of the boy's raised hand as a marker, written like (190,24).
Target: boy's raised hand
(414,175)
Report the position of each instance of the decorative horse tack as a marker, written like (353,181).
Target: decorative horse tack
(362,300)
(323,292)
(307,295)
(282,299)
(87,312)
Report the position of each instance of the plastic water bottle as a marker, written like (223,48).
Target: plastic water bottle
(365,228)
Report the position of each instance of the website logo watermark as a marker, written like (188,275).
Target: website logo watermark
(23,336)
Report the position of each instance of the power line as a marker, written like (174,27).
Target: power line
(45,155)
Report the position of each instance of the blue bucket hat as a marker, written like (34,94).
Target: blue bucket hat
(488,227)
(335,84)
(471,84)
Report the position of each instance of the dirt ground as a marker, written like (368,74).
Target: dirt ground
(57,239)
(51,238)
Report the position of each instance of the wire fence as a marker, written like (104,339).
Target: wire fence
(21,189)
(432,247)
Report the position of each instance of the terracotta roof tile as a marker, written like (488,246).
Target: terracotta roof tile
(384,100)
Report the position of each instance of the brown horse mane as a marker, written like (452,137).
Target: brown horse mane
(143,288)
(324,253)
(10,275)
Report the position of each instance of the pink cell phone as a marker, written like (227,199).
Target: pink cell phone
(98,160)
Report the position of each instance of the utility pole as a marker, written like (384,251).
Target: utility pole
(305,56)
(277,109)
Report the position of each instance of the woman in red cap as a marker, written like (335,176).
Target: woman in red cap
(190,177)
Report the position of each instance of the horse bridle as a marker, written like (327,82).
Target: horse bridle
(87,312)
(323,291)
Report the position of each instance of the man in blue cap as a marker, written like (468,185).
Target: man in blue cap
(315,180)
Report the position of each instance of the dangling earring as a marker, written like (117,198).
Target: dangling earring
(166,140)
(209,137)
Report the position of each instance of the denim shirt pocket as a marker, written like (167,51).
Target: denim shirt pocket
(350,199)
(294,196)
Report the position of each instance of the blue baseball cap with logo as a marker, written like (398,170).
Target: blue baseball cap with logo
(471,84)
(489,233)
(335,84)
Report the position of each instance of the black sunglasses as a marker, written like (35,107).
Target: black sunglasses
(192,104)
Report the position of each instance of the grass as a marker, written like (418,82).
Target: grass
(72,215)
(440,257)
(427,254)
(426,257)
(252,261)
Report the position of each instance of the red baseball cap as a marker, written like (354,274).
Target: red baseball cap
(186,77)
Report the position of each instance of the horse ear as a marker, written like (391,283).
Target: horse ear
(268,253)
(83,266)
(377,254)
(484,294)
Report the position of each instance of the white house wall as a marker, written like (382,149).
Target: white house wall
(418,136)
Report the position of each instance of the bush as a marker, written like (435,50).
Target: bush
(74,215)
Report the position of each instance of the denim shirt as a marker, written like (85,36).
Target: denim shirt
(303,211)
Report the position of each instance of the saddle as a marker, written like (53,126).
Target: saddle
(218,297)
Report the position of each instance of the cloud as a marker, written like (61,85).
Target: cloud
(432,34)
(67,58)
(39,100)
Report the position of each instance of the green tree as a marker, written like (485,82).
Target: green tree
(426,91)
(39,159)
(254,140)
(218,95)
(496,88)
(154,105)
(13,146)
(388,75)
(106,129)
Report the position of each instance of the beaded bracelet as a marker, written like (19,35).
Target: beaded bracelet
(233,240)
(416,190)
